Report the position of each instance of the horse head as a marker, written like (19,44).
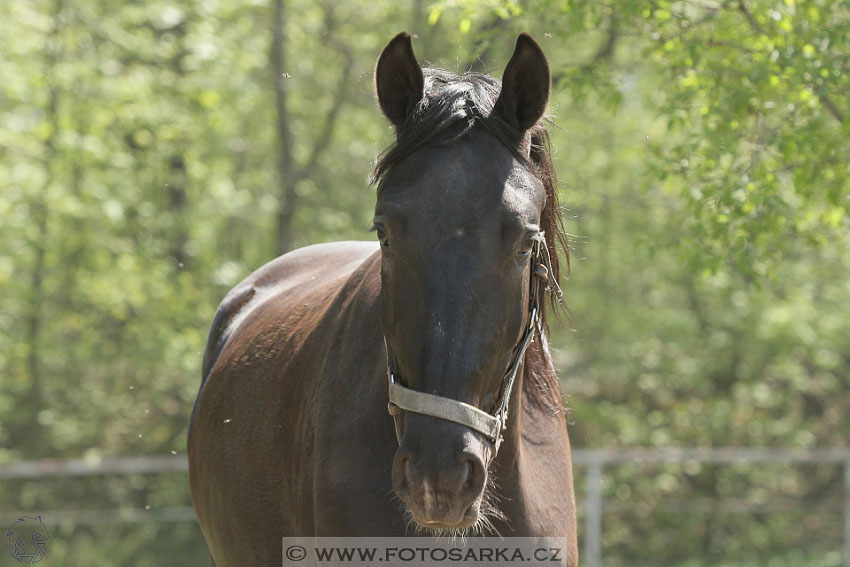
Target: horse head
(463,202)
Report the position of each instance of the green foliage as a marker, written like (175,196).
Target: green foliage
(704,156)
(754,96)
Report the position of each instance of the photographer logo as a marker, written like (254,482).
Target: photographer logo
(28,539)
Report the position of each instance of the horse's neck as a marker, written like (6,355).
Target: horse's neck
(535,416)
(533,468)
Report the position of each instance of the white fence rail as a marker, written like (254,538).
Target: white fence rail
(594,460)
(597,459)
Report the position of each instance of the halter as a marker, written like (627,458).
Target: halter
(489,425)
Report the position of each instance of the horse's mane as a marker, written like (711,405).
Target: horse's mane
(451,107)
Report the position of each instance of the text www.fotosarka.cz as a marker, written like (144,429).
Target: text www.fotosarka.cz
(422,551)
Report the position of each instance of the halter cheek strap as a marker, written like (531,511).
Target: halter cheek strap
(490,425)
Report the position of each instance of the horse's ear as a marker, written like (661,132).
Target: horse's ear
(398,79)
(525,85)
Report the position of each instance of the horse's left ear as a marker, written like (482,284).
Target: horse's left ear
(398,79)
(525,85)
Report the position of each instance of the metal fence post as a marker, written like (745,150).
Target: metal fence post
(847,513)
(593,514)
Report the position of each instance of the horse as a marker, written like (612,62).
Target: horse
(402,387)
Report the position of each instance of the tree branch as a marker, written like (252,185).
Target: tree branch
(831,107)
(749,16)
(605,50)
(824,99)
(323,140)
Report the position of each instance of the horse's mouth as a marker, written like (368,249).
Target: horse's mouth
(469,518)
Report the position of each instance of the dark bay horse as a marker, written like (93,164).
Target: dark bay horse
(442,321)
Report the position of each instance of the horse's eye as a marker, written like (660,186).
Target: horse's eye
(525,248)
(382,236)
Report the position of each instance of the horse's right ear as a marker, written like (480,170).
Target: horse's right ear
(525,85)
(398,79)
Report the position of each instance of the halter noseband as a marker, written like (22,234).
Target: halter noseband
(490,425)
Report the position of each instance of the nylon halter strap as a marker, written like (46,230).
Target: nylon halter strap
(490,425)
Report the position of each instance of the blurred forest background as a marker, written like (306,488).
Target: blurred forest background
(154,153)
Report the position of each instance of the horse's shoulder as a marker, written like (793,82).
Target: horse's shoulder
(311,273)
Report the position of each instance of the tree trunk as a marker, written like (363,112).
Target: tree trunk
(40,213)
(178,202)
(286,176)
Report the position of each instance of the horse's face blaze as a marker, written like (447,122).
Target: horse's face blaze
(456,222)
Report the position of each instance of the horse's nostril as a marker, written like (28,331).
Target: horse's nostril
(475,475)
(470,474)
(407,472)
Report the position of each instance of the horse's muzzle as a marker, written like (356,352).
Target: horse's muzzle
(440,476)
